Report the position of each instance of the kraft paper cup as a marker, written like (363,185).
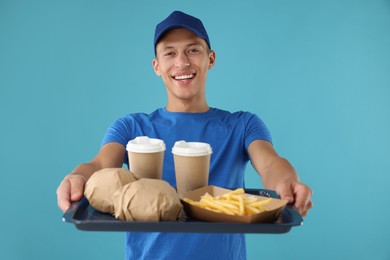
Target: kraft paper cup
(192,165)
(146,156)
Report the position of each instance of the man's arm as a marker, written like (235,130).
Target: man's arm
(278,174)
(72,186)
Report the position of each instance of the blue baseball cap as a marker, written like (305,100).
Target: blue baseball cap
(179,19)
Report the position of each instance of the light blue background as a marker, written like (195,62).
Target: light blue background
(317,72)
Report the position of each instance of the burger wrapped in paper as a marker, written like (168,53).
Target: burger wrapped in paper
(147,200)
(102,185)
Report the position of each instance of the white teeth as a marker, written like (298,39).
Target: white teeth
(184,77)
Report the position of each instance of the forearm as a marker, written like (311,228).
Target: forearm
(279,170)
(86,169)
(279,175)
(272,168)
(110,156)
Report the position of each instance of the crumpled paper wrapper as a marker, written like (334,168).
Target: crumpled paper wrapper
(147,200)
(102,185)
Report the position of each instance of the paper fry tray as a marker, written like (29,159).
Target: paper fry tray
(85,217)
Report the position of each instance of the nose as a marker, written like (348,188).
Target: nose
(182,61)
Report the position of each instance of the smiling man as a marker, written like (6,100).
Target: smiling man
(183,59)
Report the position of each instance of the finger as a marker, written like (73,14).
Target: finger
(285,191)
(77,183)
(302,197)
(308,207)
(305,211)
(63,198)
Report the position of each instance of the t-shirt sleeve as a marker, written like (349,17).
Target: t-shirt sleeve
(255,130)
(118,132)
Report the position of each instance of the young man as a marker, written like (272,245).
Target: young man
(183,59)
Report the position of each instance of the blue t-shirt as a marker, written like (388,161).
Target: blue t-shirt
(229,135)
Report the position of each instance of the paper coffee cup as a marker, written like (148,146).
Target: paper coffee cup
(192,165)
(146,157)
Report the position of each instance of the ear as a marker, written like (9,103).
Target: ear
(212,57)
(156,67)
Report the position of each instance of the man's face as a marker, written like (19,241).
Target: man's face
(182,60)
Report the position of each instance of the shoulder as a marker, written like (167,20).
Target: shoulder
(138,117)
(237,115)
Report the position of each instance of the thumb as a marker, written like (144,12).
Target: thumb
(284,190)
(76,187)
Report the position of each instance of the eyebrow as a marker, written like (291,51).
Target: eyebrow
(188,45)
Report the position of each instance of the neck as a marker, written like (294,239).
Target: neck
(188,107)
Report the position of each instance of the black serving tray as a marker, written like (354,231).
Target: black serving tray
(85,217)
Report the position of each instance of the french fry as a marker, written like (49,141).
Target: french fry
(214,205)
(260,203)
(231,203)
(251,210)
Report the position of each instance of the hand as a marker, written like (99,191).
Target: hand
(296,193)
(70,189)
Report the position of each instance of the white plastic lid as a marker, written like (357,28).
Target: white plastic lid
(144,144)
(184,148)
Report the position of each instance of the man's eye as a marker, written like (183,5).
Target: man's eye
(193,51)
(167,54)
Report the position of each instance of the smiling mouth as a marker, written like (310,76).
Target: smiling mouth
(184,77)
